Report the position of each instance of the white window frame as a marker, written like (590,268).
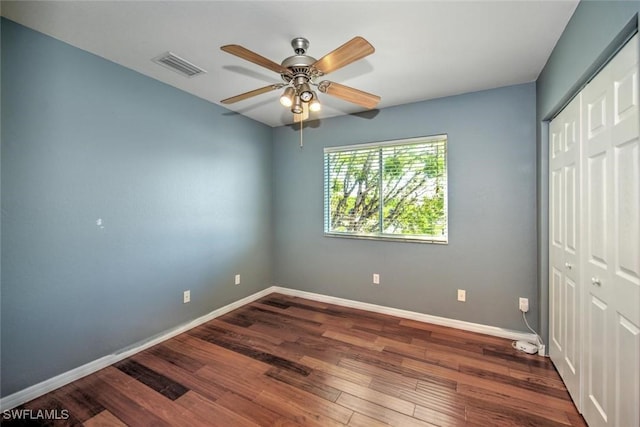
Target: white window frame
(381,235)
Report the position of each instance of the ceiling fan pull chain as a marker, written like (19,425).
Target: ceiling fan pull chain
(301,126)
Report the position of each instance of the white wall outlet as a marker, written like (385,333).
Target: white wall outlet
(523,304)
(237,279)
(462,295)
(376,279)
(186,297)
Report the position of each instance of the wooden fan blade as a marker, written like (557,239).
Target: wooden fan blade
(350,94)
(249,94)
(351,51)
(250,56)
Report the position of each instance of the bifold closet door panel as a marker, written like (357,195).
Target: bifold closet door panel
(564,239)
(626,234)
(611,232)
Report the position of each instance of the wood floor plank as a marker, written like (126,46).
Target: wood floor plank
(369,394)
(248,386)
(320,317)
(211,354)
(282,334)
(448,361)
(319,347)
(439,418)
(253,330)
(487,413)
(288,361)
(308,383)
(393,385)
(433,347)
(249,348)
(155,380)
(400,348)
(553,382)
(104,419)
(154,401)
(297,413)
(318,304)
(178,358)
(516,382)
(350,339)
(359,420)
(337,371)
(263,342)
(395,332)
(556,415)
(384,369)
(576,419)
(311,402)
(290,319)
(463,360)
(274,301)
(522,359)
(78,401)
(204,412)
(127,410)
(250,410)
(46,410)
(191,380)
(379,413)
(487,383)
(438,399)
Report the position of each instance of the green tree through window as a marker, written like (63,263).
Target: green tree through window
(388,190)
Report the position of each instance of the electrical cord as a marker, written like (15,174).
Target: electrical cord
(522,345)
(539,341)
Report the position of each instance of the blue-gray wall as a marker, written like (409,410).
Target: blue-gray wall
(492,238)
(594,32)
(182,187)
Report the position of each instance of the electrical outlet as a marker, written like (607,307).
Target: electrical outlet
(186,297)
(462,295)
(376,279)
(523,304)
(237,279)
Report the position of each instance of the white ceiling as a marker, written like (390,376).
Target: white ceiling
(424,49)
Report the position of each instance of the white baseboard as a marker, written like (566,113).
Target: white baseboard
(65,378)
(37,390)
(405,314)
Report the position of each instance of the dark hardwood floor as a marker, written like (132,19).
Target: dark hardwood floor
(285,361)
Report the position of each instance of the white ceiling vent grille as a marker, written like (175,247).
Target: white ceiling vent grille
(177,64)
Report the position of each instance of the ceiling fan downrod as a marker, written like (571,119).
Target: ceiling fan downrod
(300,45)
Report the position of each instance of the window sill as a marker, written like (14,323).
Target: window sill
(388,238)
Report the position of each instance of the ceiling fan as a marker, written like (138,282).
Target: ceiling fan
(300,72)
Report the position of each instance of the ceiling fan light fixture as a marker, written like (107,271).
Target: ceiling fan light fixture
(297,105)
(287,97)
(297,118)
(314,104)
(306,94)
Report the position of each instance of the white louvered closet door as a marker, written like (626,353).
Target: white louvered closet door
(611,233)
(564,239)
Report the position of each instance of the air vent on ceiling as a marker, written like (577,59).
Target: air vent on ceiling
(177,64)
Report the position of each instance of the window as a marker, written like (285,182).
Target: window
(387,190)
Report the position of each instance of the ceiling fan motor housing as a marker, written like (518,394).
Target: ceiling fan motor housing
(299,65)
